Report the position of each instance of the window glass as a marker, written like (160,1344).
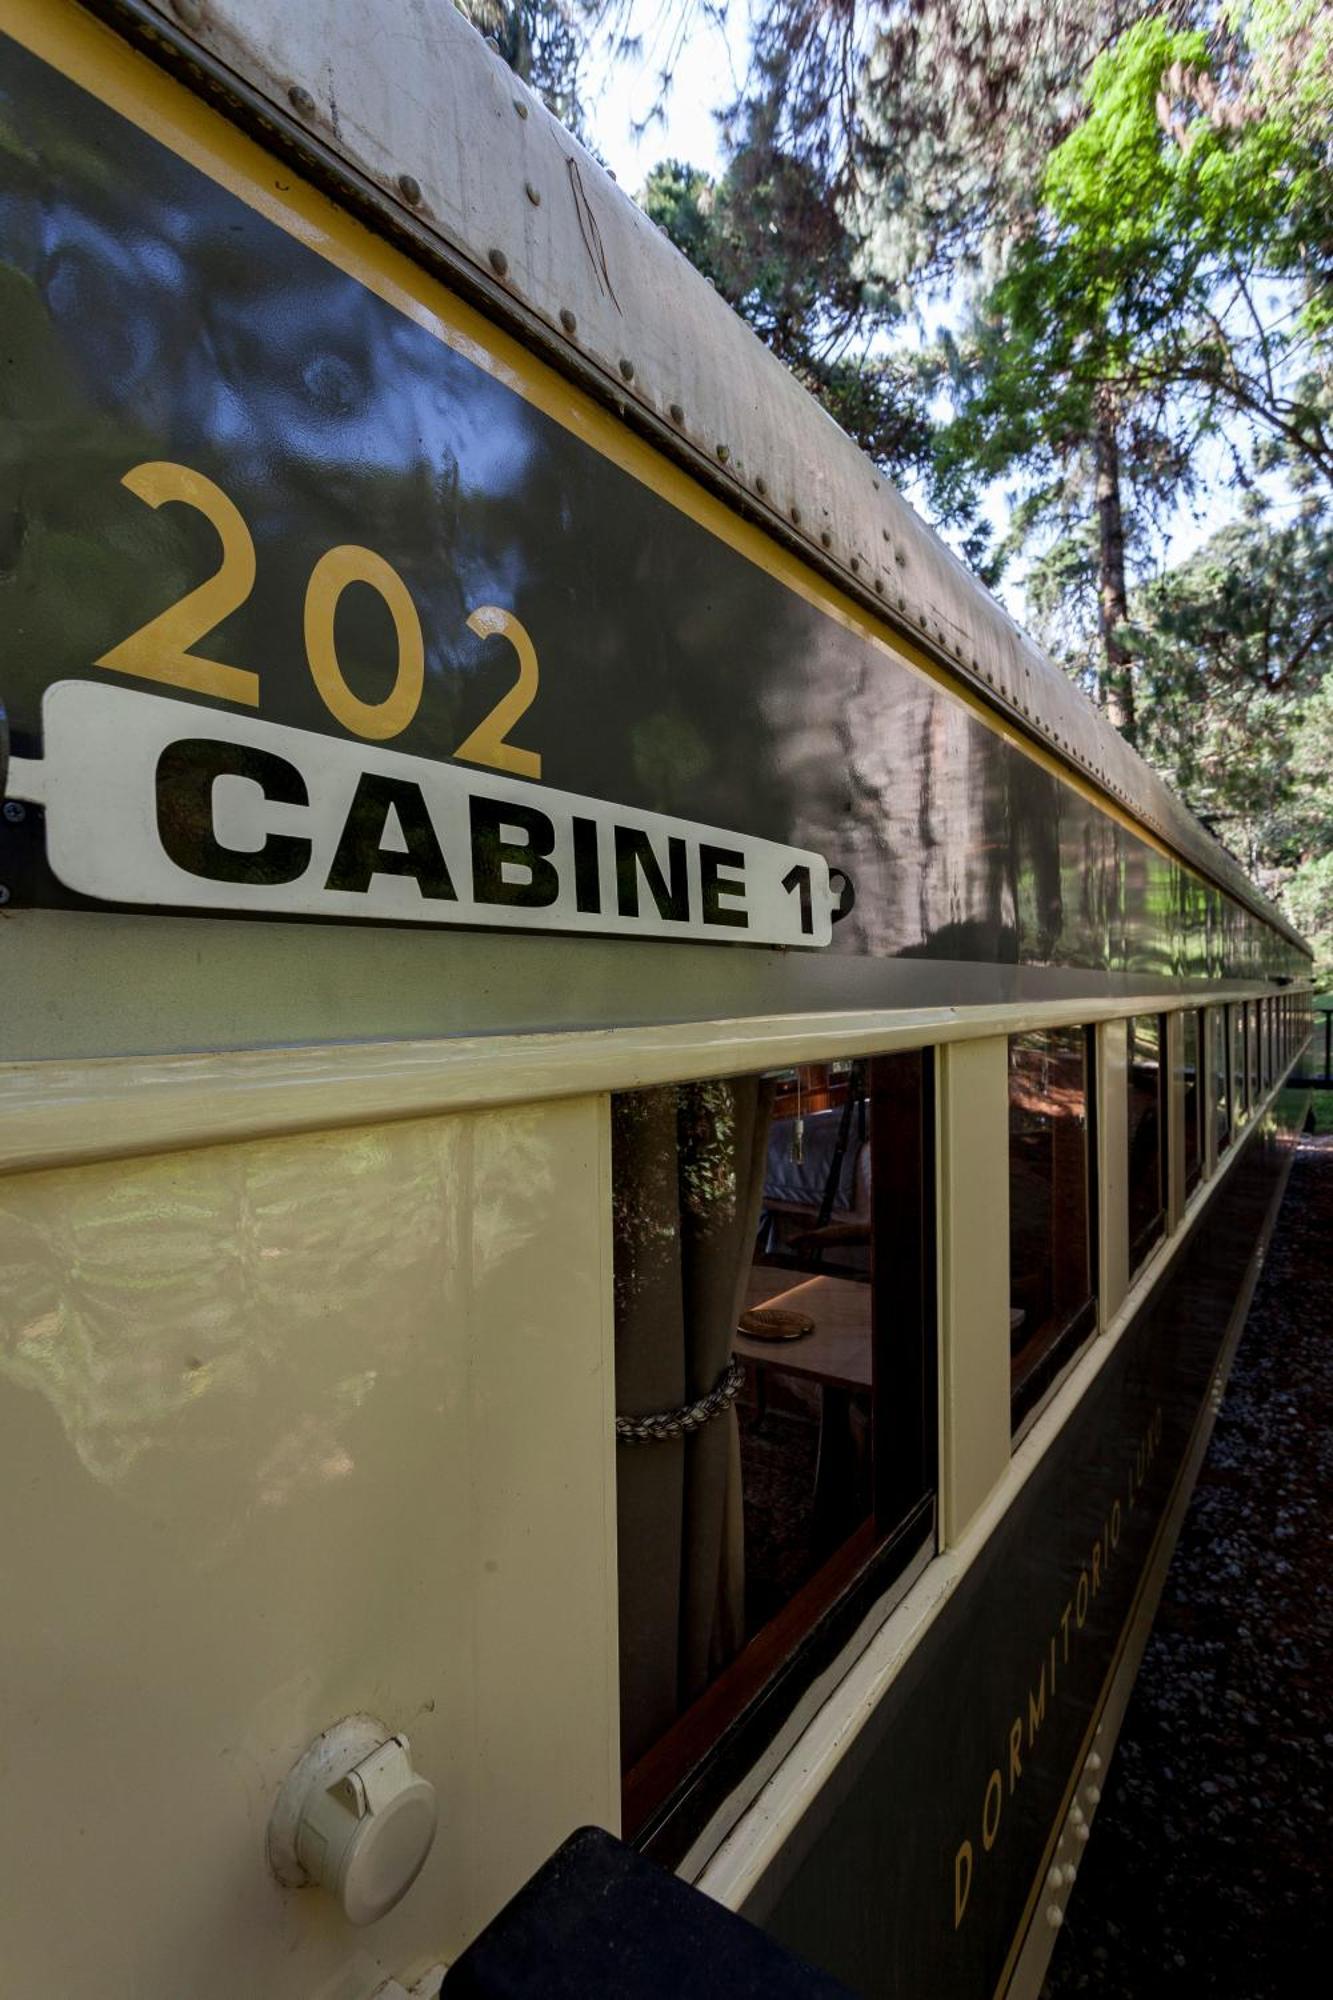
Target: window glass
(1252,1052)
(1221,1066)
(1051,1304)
(1146,1136)
(774,1309)
(1192,1123)
(1239,1067)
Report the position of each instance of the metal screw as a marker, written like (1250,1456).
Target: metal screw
(568,321)
(409,187)
(724,453)
(796,515)
(498,261)
(189,11)
(856,564)
(884,534)
(300,100)
(534,194)
(677,413)
(14,812)
(879,585)
(626,368)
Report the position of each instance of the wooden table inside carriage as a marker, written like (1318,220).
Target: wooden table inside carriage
(837,1352)
(836,1356)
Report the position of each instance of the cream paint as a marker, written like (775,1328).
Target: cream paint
(292,1428)
(58,1113)
(1112,1114)
(974,1277)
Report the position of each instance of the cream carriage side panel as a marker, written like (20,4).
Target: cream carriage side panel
(292,1428)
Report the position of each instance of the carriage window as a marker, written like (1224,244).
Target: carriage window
(1051,1303)
(1221,1066)
(774,1306)
(1193,1114)
(1147,1136)
(1252,1025)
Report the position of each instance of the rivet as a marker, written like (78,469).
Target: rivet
(899,558)
(568,321)
(884,534)
(498,261)
(796,515)
(534,194)
(14,812)
(677,413)
(300,100)
(409,187)
(856,564)
(875,484)
(626,368)
(879,585)
(826,538)
(761,485)
(189,11)
(520,107)
(724,452)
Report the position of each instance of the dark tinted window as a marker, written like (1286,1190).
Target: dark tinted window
(1192,1124)
(1221,1068)
(1051,1304)
(774,1260)
(1147,1136)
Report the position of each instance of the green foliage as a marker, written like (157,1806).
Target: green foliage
(772,242)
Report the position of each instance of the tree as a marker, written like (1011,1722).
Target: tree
(1128,325)
(769,237)
(544,43)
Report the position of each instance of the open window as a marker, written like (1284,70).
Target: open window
(1052,1307)
(775,1316)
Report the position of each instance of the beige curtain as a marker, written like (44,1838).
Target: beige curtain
(688,1165)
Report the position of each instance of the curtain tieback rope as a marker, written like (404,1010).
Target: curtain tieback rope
(665,1424)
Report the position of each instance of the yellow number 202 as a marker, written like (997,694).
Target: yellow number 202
(161,649)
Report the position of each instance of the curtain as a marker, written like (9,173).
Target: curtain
(688,1173)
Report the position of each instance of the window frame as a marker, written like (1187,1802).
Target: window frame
(704,1758)
(1026,1397)
(1154,1231)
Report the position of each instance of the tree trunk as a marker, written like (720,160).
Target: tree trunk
(1115,681)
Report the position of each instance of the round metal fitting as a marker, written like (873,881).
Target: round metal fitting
(409,187)
(498,262)
(879,585)
(724,452)
(826,538)
(856,564)
(568,321)
(300,100)
(626,367)
(677,413)
(796,515)
(14,811)
(534,194)
(189,11)
(520,107)
(761,486)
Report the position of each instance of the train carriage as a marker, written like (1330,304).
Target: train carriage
(634,1143)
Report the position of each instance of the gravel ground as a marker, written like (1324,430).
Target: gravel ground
(1210,1867)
